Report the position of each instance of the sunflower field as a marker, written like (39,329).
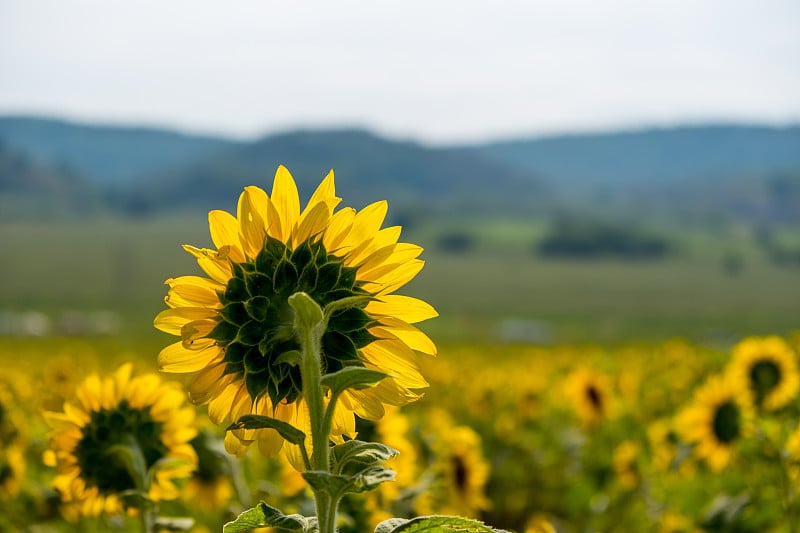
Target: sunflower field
(104,428)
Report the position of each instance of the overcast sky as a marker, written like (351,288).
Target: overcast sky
(446,71)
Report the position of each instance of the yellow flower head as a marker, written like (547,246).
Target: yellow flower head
(12,471)
(460,469)
(591,395)
(626,464)
(236,326)
(211,484)
(716,420)
(114,411)
(767,367)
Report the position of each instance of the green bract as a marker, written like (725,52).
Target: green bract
(256,330)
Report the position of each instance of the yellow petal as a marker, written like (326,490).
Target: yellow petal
(391,277)
(312,224)
(219,408)
(412,336)
(396,359)
(405,308)
(217,267)
(286,201)
(224,230)
(193,291)
(325,192)
(172,320)
(252,215)
(338,228)
(176,358)
(203,385)
(366,224)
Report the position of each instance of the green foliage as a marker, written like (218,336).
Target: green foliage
(351,377)
(355,467)
(573,236)
(262,515)
(286,430)
(352,456)
(434,524)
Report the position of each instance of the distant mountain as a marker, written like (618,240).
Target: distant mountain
(32,190)
(105,154)
(699,172)
(367,168)
(680,154)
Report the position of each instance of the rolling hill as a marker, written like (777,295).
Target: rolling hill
(691,172)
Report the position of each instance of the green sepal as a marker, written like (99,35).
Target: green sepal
(287,431)
(292,357)
(351,377)
(129,453)
(263,515)
(434,524)
(346,303)
(257,307)
(353,456)
(338,485)
(308,313)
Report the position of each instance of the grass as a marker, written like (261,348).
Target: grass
(121,264)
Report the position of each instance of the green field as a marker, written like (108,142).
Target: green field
(119,265)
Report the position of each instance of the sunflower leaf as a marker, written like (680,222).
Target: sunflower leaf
(286,430)
(333,484)
(338,485)
(433,524)
(263,515)
(351,377)
(353,456)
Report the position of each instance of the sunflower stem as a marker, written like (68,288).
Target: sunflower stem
(309,327)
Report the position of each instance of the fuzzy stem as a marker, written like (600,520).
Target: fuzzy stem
(310,341)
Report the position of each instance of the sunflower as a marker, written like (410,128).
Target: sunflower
(626,464)
(12,471)
(539,524)
(460,470)
(119,410)
(211,484)
(767,367)
(716,420)
(591,395)
(792,454)
(236,325)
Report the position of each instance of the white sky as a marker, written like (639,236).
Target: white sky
(444,71)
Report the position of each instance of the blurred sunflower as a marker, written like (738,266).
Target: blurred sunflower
(12,471)
(671,522)
(792,449)
(539,524)
(591,395)
(667,452)
(236,325)
(393,430)
(211,484)
(716,420)
(460,470)
(626,464)
(767,367)
(13,422)
(119,410)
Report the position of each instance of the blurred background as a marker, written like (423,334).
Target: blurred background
(608,194)
(577,171)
